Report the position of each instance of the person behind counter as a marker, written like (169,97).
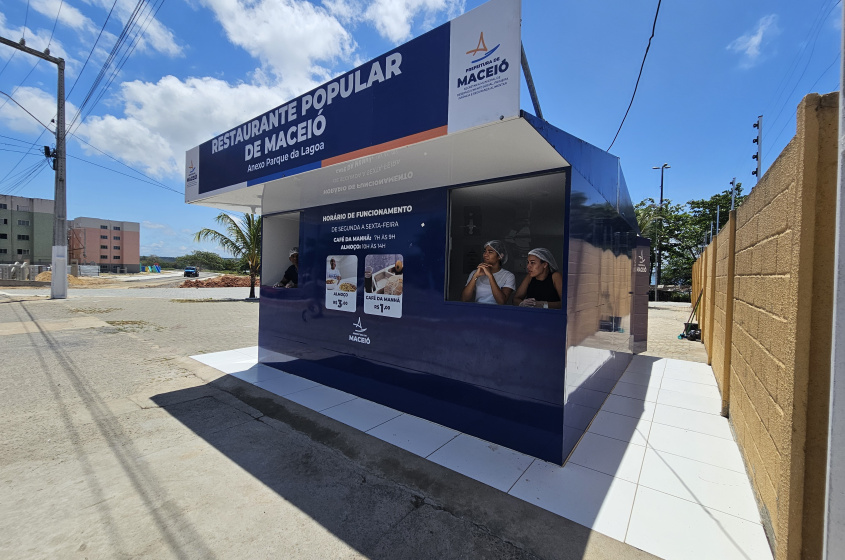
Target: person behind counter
(291,277)
(489,282)
(543,287)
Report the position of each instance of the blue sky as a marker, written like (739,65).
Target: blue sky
(204,66)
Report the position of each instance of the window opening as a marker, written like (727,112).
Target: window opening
(522,215)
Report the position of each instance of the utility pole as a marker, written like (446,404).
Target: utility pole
(759,141)
(58,283)
(659,251)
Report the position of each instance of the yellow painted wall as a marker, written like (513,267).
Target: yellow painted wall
(766,316)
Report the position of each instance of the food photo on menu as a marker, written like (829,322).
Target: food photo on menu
(383,274)
(341,273)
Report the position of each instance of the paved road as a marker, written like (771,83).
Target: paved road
(115,444)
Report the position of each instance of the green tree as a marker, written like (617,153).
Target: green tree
(242,239)
(150,260)
(662,227)
(705,211)
(203,259)
(683,230)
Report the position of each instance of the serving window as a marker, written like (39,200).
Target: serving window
(284,231)
(523,214)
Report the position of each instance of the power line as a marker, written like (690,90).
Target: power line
(18,140)
(809,59)
(21,159)
(50,42)
(811,35)
(25,110)
(794,63)
(637,85)
(159,185)
(792,118)
(28,151)
(133,31)
(32,150)
(91,52)
(25,176)
(19,86)
(7,62)
(118,45)
(137,39)
(25,20)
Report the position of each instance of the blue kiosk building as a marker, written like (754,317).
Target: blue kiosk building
(403,169)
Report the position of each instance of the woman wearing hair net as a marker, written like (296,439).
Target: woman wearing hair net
(489,282)
(543,287)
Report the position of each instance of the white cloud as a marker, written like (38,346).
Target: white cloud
(153,225)
(290,38)
(164,119)
(750,44)
(68,15)
(156,35)
(345,10)
(42,105)
(393,18)
(35,39)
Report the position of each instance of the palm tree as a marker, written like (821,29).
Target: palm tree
(242,239)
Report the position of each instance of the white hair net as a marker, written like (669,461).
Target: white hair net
(499,247)
(545,255)
(294,251)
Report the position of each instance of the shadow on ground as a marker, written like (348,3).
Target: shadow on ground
(379,499)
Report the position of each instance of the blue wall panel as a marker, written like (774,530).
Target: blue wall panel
(528,379)
(495,372)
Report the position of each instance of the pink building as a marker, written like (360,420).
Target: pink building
(114,246)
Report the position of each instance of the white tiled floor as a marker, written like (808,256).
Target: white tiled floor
(658,467)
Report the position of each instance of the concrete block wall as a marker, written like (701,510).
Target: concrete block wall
(723,307)
(766,318)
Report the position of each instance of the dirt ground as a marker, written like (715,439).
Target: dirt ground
(167,279)
(665,322)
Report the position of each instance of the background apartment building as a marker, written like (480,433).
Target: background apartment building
(26,230)
(114,246)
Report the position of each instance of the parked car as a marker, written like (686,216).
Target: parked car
(192,271)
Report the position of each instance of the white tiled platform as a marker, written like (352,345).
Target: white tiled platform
(657,469)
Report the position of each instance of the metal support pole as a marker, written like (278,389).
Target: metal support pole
(530,82)
(660,232)
(58,284)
